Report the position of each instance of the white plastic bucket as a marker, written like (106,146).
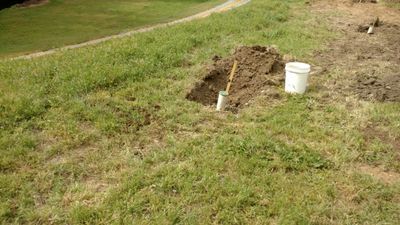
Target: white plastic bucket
(222,98)
(296,77)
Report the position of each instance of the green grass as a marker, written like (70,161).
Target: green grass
(62,22)
(104,135)
(393,3)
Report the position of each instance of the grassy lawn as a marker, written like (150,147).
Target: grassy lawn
(393,3)
(61,22)
(104,134)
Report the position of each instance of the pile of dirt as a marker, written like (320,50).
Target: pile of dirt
(383,89)
(259,68)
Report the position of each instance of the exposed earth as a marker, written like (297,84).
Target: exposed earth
(365,66)
(260,69)
(383,89)
(379,84)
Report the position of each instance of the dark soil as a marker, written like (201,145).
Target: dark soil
(372,132)
(380,84)
(384,89)
(364,65)
(259,68)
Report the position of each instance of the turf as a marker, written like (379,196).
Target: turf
(393,3)
(59,22)
(104,135)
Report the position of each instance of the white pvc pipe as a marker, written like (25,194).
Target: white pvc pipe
(222,99)
(371,30)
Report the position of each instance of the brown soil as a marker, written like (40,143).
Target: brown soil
(372,132)
(383,89)
(388,177)
(364,65)
(259,68)
(30,3)
(375,82)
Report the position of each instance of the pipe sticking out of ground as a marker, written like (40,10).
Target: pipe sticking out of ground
(223,95)
(373,25)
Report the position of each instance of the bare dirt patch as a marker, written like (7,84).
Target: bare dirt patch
(379,173)
(365,66)
(383,89)
(259,68)
(379,79)
(372,132)
(391,151)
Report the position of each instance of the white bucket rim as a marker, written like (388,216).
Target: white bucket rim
(298,67)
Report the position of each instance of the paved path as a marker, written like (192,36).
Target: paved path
(230,4)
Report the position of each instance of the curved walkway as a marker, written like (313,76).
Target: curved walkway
(230,4)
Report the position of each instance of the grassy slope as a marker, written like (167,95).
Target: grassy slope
(26,30)
(392,3)
(104,135)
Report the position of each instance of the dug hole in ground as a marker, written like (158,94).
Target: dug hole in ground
(260,70)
